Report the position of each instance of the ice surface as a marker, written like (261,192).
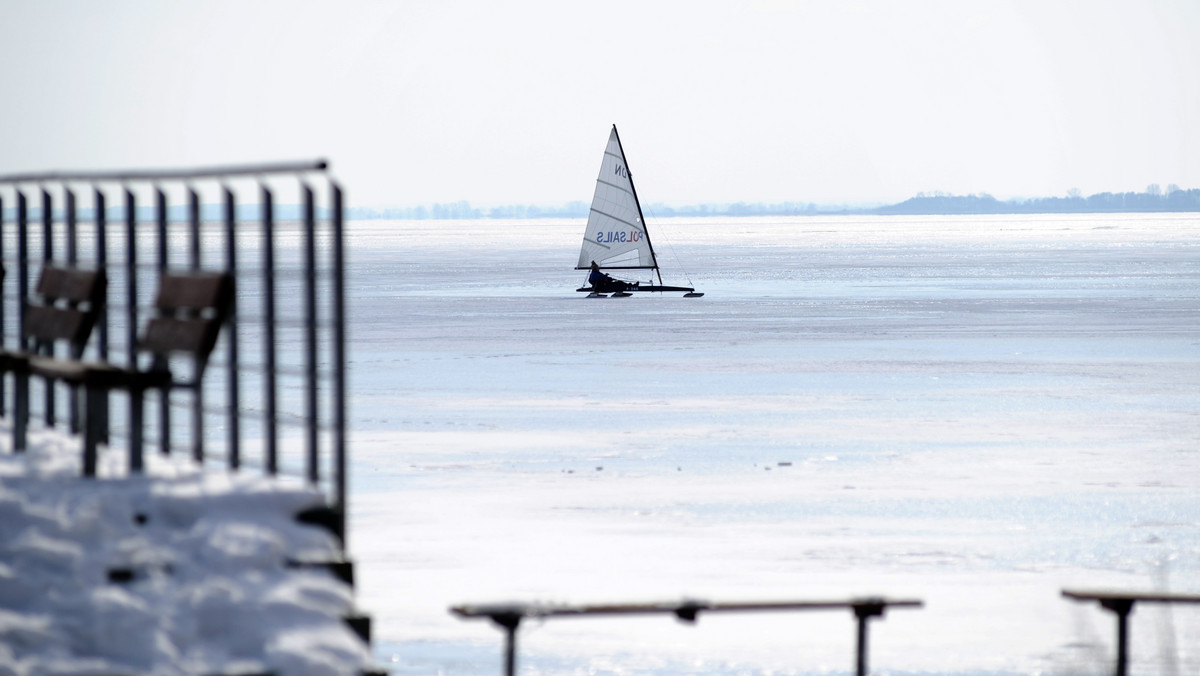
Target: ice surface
(974,411)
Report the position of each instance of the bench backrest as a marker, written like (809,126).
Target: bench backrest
(191,306)
(69,301)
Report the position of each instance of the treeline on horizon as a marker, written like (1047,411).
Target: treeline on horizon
(1153,199)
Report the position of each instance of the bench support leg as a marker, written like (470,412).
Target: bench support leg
(136,419)
(73,408)
(51,415)
(21,413)
(164,422)
(198,423)
(93,422)
(101,404)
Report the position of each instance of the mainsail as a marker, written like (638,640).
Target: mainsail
(616,233)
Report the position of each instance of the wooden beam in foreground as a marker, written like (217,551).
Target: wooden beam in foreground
(508,616)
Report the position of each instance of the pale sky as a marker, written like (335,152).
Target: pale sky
(511,102)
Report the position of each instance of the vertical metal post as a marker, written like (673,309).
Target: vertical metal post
(21,405)
(339,360)
(194,227)
(509,623)
(131,272)
(510,652)
(160,219)
(102,264)
(233,409)
(268,275)
(860,664)
(198,390)
(47,258)
(1122,608)
(164,395)
(47,227)
(864,611)
(135,399)
(312,424)
(99,403)
(72,230)
(72,260)
(22,268)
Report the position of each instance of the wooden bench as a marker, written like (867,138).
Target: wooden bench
(68,302)
(189,311)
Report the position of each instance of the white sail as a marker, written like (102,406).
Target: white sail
(616,235)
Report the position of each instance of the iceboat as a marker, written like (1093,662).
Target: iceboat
(616,237)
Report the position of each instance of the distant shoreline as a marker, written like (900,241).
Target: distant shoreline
(1173,200)
(1152,201)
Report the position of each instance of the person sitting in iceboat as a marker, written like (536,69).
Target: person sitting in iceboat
(604,283)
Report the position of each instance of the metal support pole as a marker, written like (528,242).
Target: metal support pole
(21,405)
(98,407)
(72,229)
(160,220)
(164,401)
(135,401)
(47,227)
(339,360)
(198,390)
(864,611)
(131,285)
(22,268)
(47,258)
(509,623)
(270,433)
(73,260)
(1122,608)
(231,337)
(312,424)
(194,226)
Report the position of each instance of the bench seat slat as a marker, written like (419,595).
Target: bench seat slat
(96,374)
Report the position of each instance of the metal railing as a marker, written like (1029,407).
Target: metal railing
(508,616)
(275,393)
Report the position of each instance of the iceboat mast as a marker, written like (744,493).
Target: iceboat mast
(638,202)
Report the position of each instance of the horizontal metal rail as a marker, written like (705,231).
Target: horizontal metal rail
(508,616)
(169,174)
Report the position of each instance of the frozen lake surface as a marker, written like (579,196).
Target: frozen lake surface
(973,411)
